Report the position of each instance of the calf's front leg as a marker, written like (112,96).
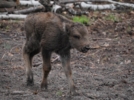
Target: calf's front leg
(65,58)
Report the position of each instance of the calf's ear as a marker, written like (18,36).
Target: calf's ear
(67,28)
(70,27)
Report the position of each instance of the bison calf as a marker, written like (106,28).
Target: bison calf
(48,32)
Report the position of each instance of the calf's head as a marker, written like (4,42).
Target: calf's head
(78,37)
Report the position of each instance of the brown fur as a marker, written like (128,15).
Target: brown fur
(48,32)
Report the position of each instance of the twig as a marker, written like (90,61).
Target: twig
(37,64)
(13,48)
(16,92)
(98,50)
(20,92)
(53,60)
(3,56)
(108,39)
(57,58)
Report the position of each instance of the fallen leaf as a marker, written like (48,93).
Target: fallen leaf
(9,54)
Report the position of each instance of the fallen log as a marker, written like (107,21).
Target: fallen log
(77,13)
(97,7)
(71,1)
(35,3)
(84,4)
(116,3)
(12,16)
(29,10)
(64,6)
(122,4)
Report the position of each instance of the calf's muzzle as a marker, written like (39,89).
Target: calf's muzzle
(85,49)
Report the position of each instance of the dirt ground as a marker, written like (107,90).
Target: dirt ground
(104,73)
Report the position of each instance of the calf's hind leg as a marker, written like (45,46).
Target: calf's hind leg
(28,54)
(46,55)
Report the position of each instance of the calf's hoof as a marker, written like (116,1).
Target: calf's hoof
(43,86)
(73,91)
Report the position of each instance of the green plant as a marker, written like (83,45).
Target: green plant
(7,46)
(7,27)
(112,17)
(59,93)
(128,28)
(81,19)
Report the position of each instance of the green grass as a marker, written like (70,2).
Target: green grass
(81,19)
(112,17)
(59,93)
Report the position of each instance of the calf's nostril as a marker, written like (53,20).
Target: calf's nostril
(87,47)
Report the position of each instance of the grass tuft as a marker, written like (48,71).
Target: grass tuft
(112,18)
(81,19)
